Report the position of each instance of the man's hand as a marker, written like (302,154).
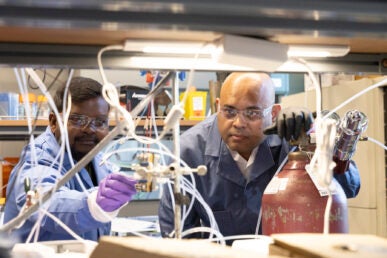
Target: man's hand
(290,122)
(114,191)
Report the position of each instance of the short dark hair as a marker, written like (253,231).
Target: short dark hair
(81,89)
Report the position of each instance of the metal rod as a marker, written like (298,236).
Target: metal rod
(176,152)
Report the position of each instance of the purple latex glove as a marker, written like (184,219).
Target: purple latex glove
(114,191)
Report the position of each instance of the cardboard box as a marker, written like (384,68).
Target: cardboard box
(113,247)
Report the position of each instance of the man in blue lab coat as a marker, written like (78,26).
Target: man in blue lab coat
(240,159)
(87,202)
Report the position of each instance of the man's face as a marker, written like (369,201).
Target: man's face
(87,126)
(241,133)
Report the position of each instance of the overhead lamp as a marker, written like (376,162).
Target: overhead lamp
(228,52)
(181,63)
(317,51)
(169,47)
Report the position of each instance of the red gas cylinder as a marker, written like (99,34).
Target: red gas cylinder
(296,205)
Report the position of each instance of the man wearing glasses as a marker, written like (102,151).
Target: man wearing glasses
(240,159)
(88,201)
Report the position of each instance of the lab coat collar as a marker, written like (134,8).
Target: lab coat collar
(265,159)
(230,170)
(214,136)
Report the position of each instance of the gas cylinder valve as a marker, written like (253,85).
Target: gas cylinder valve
(349,132)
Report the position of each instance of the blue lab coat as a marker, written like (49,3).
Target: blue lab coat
(69,203)
(235,202)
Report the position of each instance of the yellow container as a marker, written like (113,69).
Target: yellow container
(195,105)
(31,98)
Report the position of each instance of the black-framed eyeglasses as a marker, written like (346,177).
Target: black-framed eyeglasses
(251,114)
(82,121)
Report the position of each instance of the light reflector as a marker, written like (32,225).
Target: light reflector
(317,51)
(169,47)
(261,55)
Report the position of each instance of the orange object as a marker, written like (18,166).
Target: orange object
(149,77)
(6,167)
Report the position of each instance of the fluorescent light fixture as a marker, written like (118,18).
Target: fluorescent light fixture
(181,63)
(226,53)
(169,47)
(317,51)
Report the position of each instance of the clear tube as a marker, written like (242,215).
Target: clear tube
(64,135)
(225,238)
(377,143)
(205,229)
(186,185)
(193,191)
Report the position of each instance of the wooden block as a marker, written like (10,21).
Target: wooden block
(164,248)
(312,245)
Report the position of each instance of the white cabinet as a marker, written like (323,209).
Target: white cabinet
(367,212)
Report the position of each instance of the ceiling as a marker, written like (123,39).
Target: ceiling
(76,29)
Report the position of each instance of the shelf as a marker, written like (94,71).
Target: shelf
(18,129)
(22,123)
